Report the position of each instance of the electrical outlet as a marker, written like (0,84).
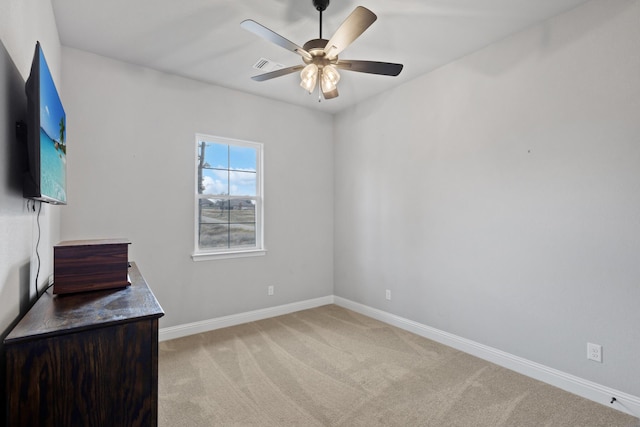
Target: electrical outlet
(270,290)
(594,352)
(387,295)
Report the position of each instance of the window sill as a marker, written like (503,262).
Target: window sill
(209,256)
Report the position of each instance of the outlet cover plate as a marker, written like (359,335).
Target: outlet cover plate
(594,352)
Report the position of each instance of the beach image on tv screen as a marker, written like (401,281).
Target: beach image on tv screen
(53,146)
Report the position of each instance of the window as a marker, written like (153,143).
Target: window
(228,198)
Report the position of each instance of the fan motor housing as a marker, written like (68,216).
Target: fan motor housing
(315,44)
(316,48)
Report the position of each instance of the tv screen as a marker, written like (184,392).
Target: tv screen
(46,177)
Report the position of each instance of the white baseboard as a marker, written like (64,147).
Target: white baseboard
(598,393)
(179,331)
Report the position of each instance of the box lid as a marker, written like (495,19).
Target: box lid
(118,241)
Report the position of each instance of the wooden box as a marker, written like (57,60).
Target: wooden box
(90,265)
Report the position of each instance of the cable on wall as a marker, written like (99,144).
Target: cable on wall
(35,285)
(32,206)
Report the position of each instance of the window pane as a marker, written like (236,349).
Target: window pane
(216,156)
(242,183)
(242,158)
(242,211)
(214,236)
(214,211)
(215,182)
(242,235)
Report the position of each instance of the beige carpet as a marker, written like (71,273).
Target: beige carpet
(329,366)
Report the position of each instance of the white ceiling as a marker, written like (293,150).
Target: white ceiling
(202,39)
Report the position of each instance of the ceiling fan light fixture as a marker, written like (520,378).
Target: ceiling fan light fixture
(309,76)
(320,55)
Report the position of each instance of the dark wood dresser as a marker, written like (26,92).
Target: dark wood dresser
(86,359)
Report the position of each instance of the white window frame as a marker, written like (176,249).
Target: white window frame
(240,252)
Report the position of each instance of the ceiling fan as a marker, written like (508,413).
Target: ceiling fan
(320,56)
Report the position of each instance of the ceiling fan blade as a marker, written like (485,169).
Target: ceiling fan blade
(277,73)
(371,67)
(273,37)
(352,27)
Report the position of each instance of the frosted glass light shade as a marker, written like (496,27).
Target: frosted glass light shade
(330,78)
(309,76)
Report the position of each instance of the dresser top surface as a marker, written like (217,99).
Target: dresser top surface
(53,315)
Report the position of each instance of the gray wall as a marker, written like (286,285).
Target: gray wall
(498,197)
(21,25)
(132,174)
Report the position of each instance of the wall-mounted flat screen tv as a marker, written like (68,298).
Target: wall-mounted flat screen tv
(46,175)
